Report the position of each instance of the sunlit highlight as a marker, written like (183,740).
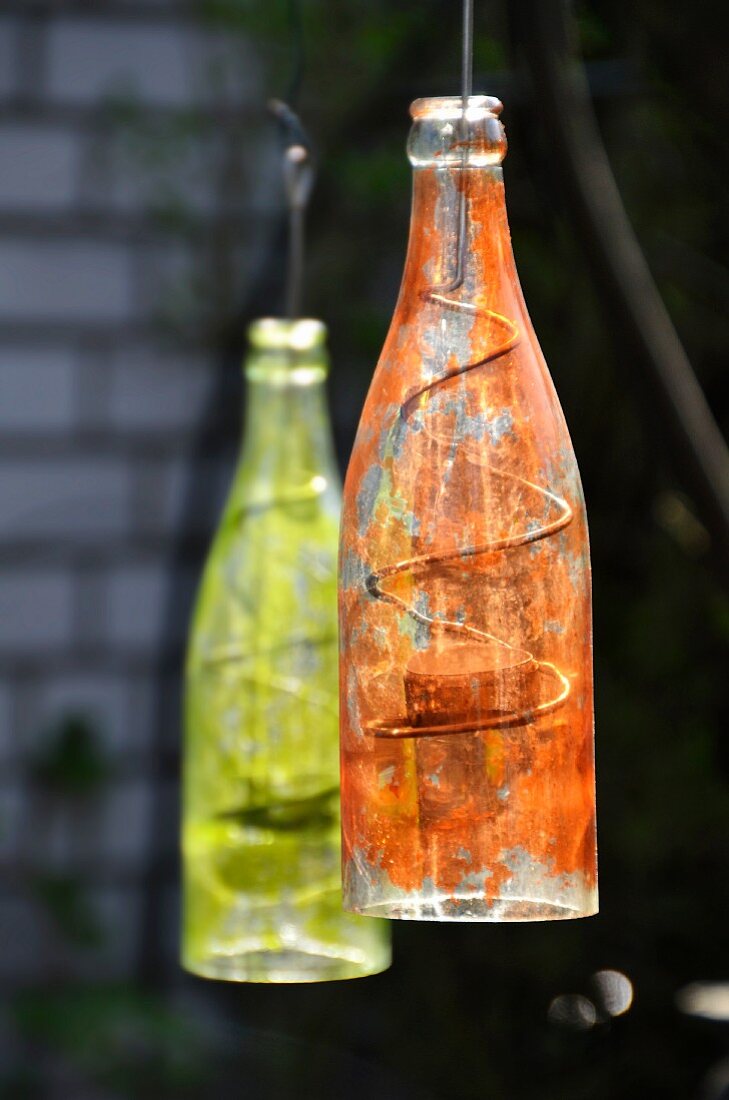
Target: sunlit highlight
(615,991)
(709,1000)
(573,1011)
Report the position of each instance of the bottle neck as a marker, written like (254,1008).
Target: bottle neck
(287,444)
(459,239)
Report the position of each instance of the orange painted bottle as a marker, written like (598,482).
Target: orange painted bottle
(465,611)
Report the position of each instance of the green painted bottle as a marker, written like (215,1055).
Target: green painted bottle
(260,831)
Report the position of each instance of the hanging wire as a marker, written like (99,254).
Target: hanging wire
(298,52)
(466,89)
(467,55)
(298,168)
(298,174)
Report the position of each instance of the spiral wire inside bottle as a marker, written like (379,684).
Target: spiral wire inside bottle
(531,706)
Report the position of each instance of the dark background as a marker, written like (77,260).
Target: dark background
(465,1011)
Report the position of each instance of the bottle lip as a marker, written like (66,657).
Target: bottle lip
(284,334)
(448,108)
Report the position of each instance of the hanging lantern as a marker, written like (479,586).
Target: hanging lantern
(465,620)
(262,891)
(260,833)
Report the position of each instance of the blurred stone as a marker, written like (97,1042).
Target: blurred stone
(168,64)
(23,933)
(53,281)
(36,610)
(154,390)
(105,832)
(89,59)
(40,166)
(8,46)
(36,389)
(71,499)
(110,702)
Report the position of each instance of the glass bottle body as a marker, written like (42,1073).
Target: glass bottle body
(466,667)
(262,893)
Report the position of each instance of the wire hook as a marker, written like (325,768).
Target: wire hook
(298,176)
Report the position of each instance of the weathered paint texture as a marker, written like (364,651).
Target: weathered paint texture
(466,658)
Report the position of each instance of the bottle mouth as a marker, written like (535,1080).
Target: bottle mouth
(443,135)
(449,108)
(282,334)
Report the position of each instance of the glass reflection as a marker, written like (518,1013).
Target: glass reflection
(572,1010)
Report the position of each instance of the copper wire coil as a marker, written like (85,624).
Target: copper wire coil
(402,727)
(424,719)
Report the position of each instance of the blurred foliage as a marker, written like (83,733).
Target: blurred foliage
(595,39)
(128,1043)
(64,899)
(71,762)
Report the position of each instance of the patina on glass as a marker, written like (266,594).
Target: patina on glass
(261,852)
(465,614)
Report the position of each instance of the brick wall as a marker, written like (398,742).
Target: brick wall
(132,217)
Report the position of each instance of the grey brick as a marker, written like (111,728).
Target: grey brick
(117,708)
(142,694)
(36,610)
(136,606)
(116,911)
(88,60)
(8,48)
(170,713)
(39,166)
(7,740)
(12,806)
(60,281)
(125,832)
(29,58)
(149,605)
(110,829)
(181,180)
(161,63)
(192,175)
(229,70)
(172,493)
(36,390)
(24,935)
(75,498)
(91,606)
(142,711)
(167,819)
(92,388)
(153,389)
(167,284)
(171,921)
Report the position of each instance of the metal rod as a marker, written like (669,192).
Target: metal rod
(466,90)
(295,267)
(298,173)
(467,55)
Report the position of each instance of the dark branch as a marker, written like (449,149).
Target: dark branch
(543,36)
